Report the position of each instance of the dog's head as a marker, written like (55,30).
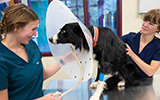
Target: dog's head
(71,33)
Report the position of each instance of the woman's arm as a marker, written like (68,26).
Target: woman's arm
(49,71)
(48,96)
(148,69)
(4,94)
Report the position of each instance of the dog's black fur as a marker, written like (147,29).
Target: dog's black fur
(110,53)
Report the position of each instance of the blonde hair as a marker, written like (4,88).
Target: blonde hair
(153,16)
(16,16)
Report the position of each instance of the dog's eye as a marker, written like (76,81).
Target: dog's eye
(63,31)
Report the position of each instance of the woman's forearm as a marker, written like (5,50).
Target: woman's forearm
(49,71)
(143,66)
(148,69)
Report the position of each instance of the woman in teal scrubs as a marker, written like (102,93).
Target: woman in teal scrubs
(21,70)
(144,47)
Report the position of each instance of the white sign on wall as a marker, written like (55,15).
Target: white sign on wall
(146,5)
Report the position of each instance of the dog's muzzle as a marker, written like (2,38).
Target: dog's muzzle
(51,40)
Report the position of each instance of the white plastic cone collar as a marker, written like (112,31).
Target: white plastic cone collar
(58,14)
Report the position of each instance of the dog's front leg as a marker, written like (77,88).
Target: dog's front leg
(93,86)
(100,86)
(98,74)
(104,68)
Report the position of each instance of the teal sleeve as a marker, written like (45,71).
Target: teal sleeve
(3,76)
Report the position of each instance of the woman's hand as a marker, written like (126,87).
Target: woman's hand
(129,51)
(69,57)
(49,96)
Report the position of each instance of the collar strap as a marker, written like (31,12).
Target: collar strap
(96,34)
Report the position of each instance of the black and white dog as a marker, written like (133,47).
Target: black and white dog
(110,52)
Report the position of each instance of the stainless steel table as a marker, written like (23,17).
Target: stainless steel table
(148,90)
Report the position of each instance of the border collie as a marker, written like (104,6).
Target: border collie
(110,52)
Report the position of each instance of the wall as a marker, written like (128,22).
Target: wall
(131,19)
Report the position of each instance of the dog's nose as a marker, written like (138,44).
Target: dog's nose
(51,40)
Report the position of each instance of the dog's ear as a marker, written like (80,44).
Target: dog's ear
(78,31)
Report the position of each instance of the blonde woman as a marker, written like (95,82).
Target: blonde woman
(21,70)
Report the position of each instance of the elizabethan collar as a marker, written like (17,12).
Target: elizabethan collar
(57,16)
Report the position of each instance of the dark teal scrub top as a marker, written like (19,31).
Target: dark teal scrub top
(23,79)
(150,52)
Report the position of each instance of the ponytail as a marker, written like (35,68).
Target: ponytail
(1,30)
(1,26)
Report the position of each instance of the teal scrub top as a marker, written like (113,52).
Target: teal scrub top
(23,79)
(150,52)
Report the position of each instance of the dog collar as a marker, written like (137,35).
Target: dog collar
(96,34)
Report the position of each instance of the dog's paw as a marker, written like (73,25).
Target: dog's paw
(93,86)
(100,86)
(121,85)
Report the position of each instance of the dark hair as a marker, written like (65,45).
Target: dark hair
(16,16)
